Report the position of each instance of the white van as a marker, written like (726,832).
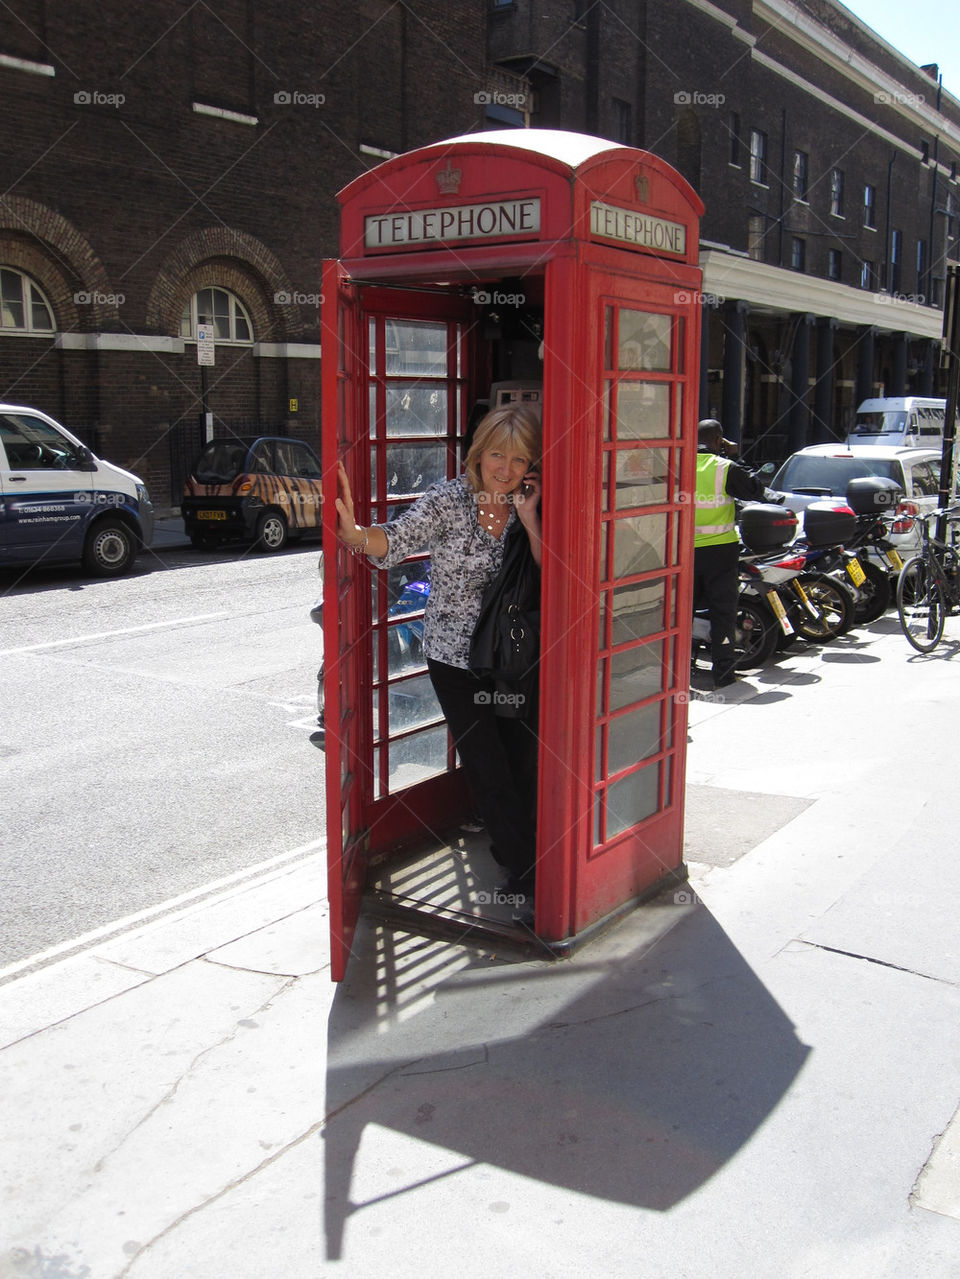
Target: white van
(900,421)
(59,502)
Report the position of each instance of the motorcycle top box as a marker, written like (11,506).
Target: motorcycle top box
(873,494)
(828,523)
(766,527)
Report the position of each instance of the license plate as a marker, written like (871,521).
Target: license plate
(779,612)
(211,515)
(893,559)
(855,572)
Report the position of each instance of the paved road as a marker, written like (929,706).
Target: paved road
(155,735)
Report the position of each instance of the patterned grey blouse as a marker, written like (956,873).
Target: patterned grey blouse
(464,560)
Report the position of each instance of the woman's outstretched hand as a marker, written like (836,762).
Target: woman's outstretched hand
(347,530)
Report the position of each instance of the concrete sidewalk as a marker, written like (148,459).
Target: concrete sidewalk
(756,1077)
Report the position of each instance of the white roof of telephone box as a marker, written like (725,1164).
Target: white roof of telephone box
(559,144)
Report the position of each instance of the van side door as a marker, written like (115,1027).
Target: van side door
(46,490)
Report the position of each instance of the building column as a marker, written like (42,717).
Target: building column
(704,361)
(798,428)
(822,427)
(899,377)
(734,362)
(865,345)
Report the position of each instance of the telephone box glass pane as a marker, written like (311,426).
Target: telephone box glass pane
(635,674)
(638,610)
(416,348)
(631,799)
(416,410)
(644,341)
(413,704)
(643,410)
(415,758)
(641,477)
(640,544)
(411,468)
(633,737)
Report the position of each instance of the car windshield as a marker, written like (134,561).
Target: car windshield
(892,421)
(831,474)
(221,461)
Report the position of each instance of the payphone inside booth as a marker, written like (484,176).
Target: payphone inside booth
(558,271)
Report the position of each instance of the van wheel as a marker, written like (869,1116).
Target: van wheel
(271,531)
(110,548)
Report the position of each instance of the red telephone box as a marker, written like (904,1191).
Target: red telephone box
(456,261)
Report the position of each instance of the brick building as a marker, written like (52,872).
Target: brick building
(828,166)
(172,161)
(179,161)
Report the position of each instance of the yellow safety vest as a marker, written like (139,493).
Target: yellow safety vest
(715,513)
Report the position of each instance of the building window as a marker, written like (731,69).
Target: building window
(756,230)
(800,175)
(798,254)
(869,206)
(921,265)
(836,192)
(896,249)
(834,264)
(622,122)
(23,307)
(734,127)
(868,273)
(758,157)
(226,313)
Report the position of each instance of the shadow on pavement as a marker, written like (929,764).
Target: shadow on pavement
(633,1079)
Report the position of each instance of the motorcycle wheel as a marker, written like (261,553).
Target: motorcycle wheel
(756,635)
(833,609)
(920,605)
(873,596)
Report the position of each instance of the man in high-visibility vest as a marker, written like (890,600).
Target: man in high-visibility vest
(716,542)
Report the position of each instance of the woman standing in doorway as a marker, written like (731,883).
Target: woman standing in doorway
(464,523)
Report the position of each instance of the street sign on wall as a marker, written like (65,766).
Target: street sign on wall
(205,344)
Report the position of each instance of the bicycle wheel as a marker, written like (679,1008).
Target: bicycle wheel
(920,605)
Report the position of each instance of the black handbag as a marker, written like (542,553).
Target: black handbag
(506,639)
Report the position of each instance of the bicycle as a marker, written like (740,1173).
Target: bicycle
(928,587)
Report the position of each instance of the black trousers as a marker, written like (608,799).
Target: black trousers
(716,586)
(499,758)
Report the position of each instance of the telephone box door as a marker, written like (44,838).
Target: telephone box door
(395,386)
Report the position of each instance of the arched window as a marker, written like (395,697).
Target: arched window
(226,313)
(23,306)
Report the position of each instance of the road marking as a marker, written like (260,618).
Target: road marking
(127,630)
(154,912)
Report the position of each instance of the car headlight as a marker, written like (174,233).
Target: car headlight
(143,497)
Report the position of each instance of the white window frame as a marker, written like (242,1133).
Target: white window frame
(235,307)
(30,292)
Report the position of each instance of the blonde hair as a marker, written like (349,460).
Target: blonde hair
(509,427)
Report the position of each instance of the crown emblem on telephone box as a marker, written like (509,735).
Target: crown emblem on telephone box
(642,183)
(448,180)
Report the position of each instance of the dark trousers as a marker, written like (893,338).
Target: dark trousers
(716,586)
(499,758)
